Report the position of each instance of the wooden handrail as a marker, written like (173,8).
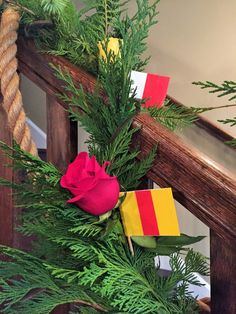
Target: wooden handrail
(204,190)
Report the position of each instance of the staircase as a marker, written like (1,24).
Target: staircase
(198,185)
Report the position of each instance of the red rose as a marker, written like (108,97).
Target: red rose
(95,191)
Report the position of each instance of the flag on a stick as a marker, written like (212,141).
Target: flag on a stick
(150,213)
(149,86)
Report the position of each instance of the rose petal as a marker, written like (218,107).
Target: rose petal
(83,186)
(75,199)
(75,169)
(102,198)
(93,165)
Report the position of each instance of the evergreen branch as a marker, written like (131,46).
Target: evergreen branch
(231,143)
(175,117)
(96,307)
(35,292)
(231,122)
(225,89)
(54,7)
(131,179)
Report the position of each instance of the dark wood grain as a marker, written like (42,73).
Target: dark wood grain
(6,202)
(62,309)
(37,67)
(61,135)
(223,278)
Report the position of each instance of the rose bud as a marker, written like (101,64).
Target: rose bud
(113,45)
(94,190)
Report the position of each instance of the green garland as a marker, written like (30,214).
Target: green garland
(78,258)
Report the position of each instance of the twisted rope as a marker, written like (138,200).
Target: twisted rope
(10,81)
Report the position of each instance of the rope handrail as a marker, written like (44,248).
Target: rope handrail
(10,83)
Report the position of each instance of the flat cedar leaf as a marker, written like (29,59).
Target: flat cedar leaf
(169,245)
(182,240)
(167,250)
(166,245)
(147,242)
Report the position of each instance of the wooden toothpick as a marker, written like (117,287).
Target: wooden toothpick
(130,246)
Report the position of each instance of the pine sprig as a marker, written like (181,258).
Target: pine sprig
(24,160)
(175,117)
(231,122)
(227,88)
(134,32)
(36,291)
(232,142)
(106,12)
(54,7)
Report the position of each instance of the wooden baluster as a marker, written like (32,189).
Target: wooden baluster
(61,146)
(223,275)
(61,135)
(6,202)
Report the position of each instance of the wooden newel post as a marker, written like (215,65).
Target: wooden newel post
(223,275)
(6,202)
(62,145)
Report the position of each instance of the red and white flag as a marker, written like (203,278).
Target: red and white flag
(152,87)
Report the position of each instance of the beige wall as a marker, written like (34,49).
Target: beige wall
(194,40)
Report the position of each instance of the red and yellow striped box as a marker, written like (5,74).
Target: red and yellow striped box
(150,213)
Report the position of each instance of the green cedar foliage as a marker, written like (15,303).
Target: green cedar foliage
(82,258)
(226,89)
(115,283)
(108,119)
(175,116)
(231,122)
(108,125)
(75,35)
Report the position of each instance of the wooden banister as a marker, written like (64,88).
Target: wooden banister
(200,186)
